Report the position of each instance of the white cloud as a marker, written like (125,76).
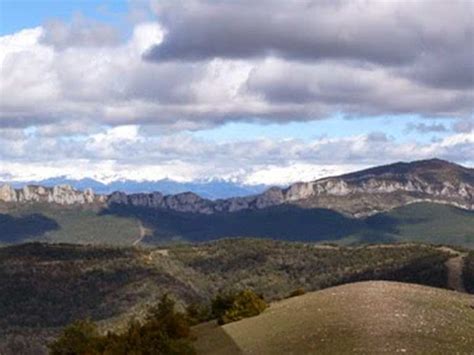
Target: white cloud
(76,98)
(127,152)
(112,84)
(282,175)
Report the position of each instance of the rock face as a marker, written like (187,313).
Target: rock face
(60,194)
(386,187)
(357,194)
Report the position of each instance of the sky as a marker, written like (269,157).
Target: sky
(268,92)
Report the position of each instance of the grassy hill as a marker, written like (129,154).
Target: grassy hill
(64,224)
(422,222)
(364,318)
(425,222)
(46,286)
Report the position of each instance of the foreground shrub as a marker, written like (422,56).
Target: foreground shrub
(198,313)
(164,331)
(81,337)
(232,307)
(298,292)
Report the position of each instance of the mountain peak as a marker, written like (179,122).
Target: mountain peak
(433,169)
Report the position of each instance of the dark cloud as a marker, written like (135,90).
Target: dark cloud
(429,41)
(305,30)
(279,61)
(353,90)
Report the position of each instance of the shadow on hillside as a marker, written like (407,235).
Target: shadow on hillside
(382,223)
(210,336)
(290,223)
(54,285)
(29,227)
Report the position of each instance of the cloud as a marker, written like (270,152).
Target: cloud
(128,152)
(464,126)
(79,94)
(428,41)
(426,128)
(82,72)
(305,30)
(327,87)
(80,32)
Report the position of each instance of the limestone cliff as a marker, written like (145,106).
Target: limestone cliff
(358,194)
(60,194)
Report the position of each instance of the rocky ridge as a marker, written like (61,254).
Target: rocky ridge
(60,194)
(358,194)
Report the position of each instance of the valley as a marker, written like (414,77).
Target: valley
(119,225)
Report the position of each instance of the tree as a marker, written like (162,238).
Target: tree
(165,331)
(231,307)
(81,337)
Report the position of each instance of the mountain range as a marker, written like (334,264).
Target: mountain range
(210,189)
(430,201)
(357,194)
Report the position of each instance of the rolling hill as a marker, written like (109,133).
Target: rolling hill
(359,318)
(44,287)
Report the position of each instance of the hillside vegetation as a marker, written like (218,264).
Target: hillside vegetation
(363,318)
(468,272)
(120,225)
(425,222)
(64,224)
(43,287)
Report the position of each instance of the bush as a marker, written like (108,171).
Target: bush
(232,307)
(81,337)
(198,313)
(165,331)
(298,292)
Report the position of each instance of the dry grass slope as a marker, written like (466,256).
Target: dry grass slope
(363,318)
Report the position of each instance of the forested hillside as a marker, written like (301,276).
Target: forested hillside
(44,286)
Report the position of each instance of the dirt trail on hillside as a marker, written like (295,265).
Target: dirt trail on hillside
(455,267)
(143,233)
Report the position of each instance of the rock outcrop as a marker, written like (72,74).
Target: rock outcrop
(357,194)
(60,194)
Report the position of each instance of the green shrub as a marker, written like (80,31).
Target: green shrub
(81,337)
(298,292)
(164,331)
(232,307)
(198,313)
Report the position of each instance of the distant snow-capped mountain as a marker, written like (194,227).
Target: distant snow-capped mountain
(358,194)
(210,189)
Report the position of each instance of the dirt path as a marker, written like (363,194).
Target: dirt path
(143,233)
(455,266)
